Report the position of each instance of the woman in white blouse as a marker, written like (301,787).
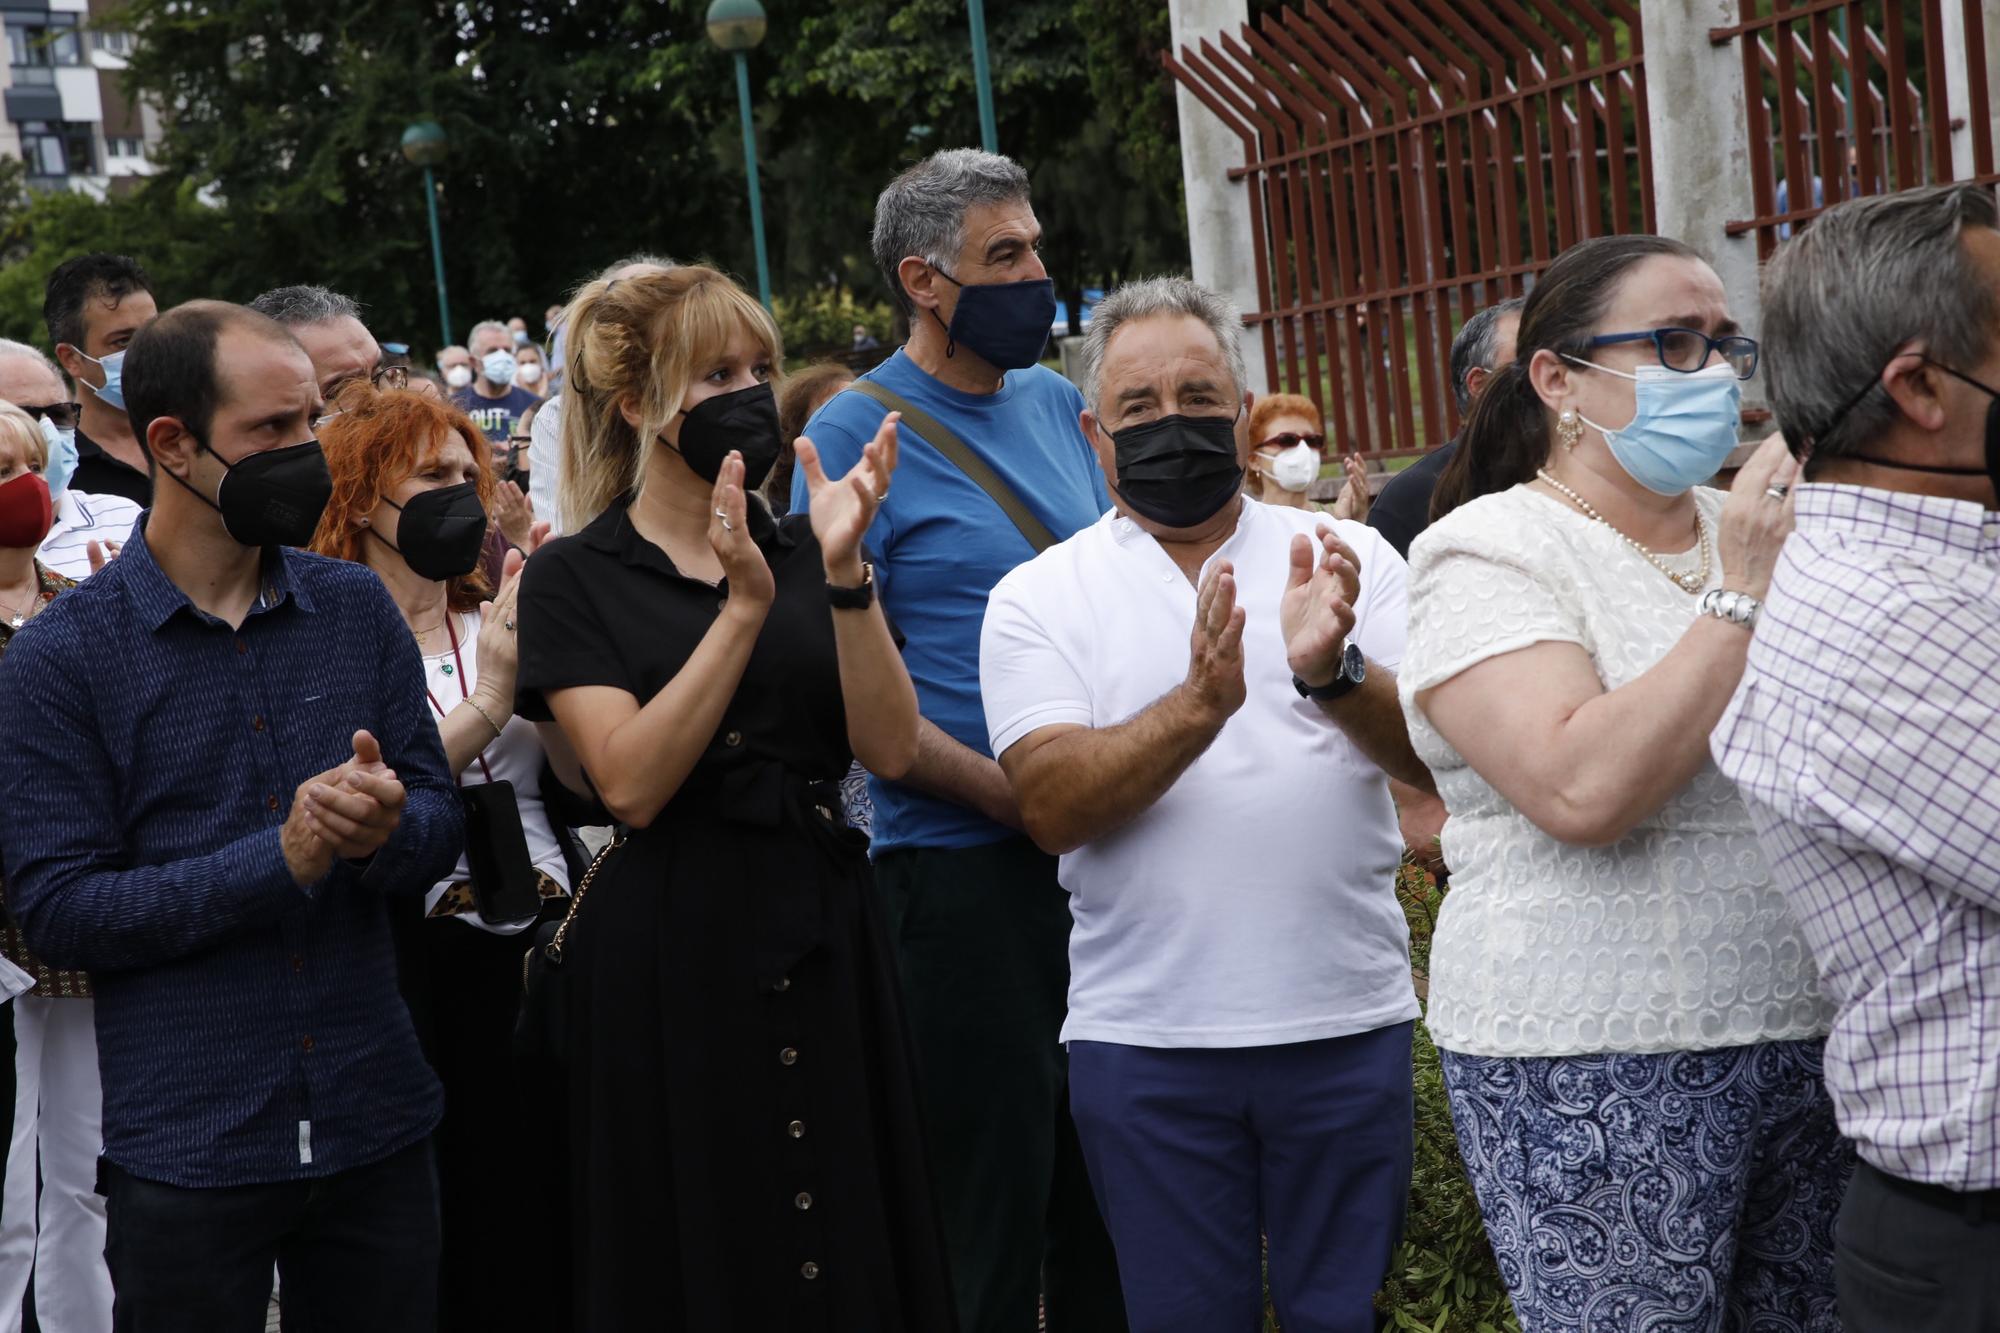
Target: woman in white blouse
(412,490)
(1631,1025)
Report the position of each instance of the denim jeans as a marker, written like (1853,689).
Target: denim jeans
(356,1250)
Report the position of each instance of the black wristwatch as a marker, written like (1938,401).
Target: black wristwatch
(853,599)
(1353,670)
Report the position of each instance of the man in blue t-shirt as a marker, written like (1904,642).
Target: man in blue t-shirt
(495,404)
(980,924)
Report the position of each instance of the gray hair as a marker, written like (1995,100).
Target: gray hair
(8,347)
(1151,297)
(922,212)
(493,325)
(296,307)
(1475,344)
(1844,294)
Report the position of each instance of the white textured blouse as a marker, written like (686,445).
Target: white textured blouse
(1674,937)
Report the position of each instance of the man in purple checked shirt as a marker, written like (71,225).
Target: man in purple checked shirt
(1866,733)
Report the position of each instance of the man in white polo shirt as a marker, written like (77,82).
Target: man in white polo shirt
(1193,702)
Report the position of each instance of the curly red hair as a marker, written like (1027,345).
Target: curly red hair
(378,441)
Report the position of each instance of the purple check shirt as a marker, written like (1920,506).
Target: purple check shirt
(1866,739)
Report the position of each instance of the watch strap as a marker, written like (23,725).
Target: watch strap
(853,599)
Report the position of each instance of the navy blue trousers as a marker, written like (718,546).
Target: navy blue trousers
(1195,1153)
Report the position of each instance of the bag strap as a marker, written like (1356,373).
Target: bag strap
(553,950)
(961,456)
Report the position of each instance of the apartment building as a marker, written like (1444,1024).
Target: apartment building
(66,115)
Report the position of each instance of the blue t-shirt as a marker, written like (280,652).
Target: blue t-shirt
(496,416)
(941,543)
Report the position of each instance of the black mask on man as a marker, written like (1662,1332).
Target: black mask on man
(1007,323)
(1179,470)
(1992,468)
(273,498)
(746,421)
(440,534)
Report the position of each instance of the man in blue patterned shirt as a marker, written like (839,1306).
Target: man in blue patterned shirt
(218,763)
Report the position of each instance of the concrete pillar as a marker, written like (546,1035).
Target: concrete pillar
(1701,150)
(1218,208)
(1957,54)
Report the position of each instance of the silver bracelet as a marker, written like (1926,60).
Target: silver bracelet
(1738,608)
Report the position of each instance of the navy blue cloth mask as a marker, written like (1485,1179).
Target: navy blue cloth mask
(1006,323)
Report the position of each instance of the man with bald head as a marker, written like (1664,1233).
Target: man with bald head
(87,527)
(218,766)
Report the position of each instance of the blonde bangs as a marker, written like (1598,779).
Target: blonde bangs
(712,313)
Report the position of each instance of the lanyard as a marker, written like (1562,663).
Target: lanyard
(451,625)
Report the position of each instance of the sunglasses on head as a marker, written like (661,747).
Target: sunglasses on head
(63,416)
(1290,439)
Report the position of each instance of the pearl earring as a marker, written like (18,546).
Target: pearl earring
(1569,429)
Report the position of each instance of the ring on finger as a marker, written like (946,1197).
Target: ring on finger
(1777,491)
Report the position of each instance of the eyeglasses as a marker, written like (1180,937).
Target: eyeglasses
(1688,350)
(1291,439)
(520,441)
(391,377)
(63,416)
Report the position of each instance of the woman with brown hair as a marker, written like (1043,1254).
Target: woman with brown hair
(412,486)
(747,1152)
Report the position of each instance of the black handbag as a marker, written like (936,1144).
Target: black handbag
(541,1032)
(504,882)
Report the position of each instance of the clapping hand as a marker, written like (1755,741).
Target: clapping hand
(1215,652)
(842,510)
(1317,613)
(347,812)
(1353,500)
(743,565)
(101,554)
(514,513)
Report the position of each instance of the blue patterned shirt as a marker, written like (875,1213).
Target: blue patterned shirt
(248,1030)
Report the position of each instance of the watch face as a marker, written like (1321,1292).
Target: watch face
(1353,666)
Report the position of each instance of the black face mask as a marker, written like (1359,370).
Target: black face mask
(746,421)
(1992,469)
(441,533)
(1178,471)
(274,498)
(1006,323)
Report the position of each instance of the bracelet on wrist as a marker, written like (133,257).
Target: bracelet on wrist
(1738,608)
(478,708)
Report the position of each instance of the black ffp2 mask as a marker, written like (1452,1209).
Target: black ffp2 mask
(745,421)
(273,498)
(440,534)
(1178,471)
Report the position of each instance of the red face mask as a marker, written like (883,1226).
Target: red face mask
(26,512)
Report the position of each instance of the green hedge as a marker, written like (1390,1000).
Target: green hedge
(1443,1278)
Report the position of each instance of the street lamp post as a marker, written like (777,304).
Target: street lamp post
(982,74)
(425,145)
(737,26)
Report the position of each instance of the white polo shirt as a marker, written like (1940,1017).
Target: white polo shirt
(1253,904)
(81,520)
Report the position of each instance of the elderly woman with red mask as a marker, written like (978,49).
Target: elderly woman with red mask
(55,1131)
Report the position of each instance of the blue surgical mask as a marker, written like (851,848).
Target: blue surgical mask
(112,395)
(1006,323)
(1683,426)
(498,367)
(62,458)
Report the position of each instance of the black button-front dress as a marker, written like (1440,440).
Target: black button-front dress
(744,1135)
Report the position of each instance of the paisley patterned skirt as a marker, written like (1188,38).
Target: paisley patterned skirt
(1689,1192)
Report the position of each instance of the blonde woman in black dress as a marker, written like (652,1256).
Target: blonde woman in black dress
(746,1152)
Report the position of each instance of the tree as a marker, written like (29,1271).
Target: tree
(584,132)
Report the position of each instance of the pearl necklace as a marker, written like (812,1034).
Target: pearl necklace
(1687,583)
